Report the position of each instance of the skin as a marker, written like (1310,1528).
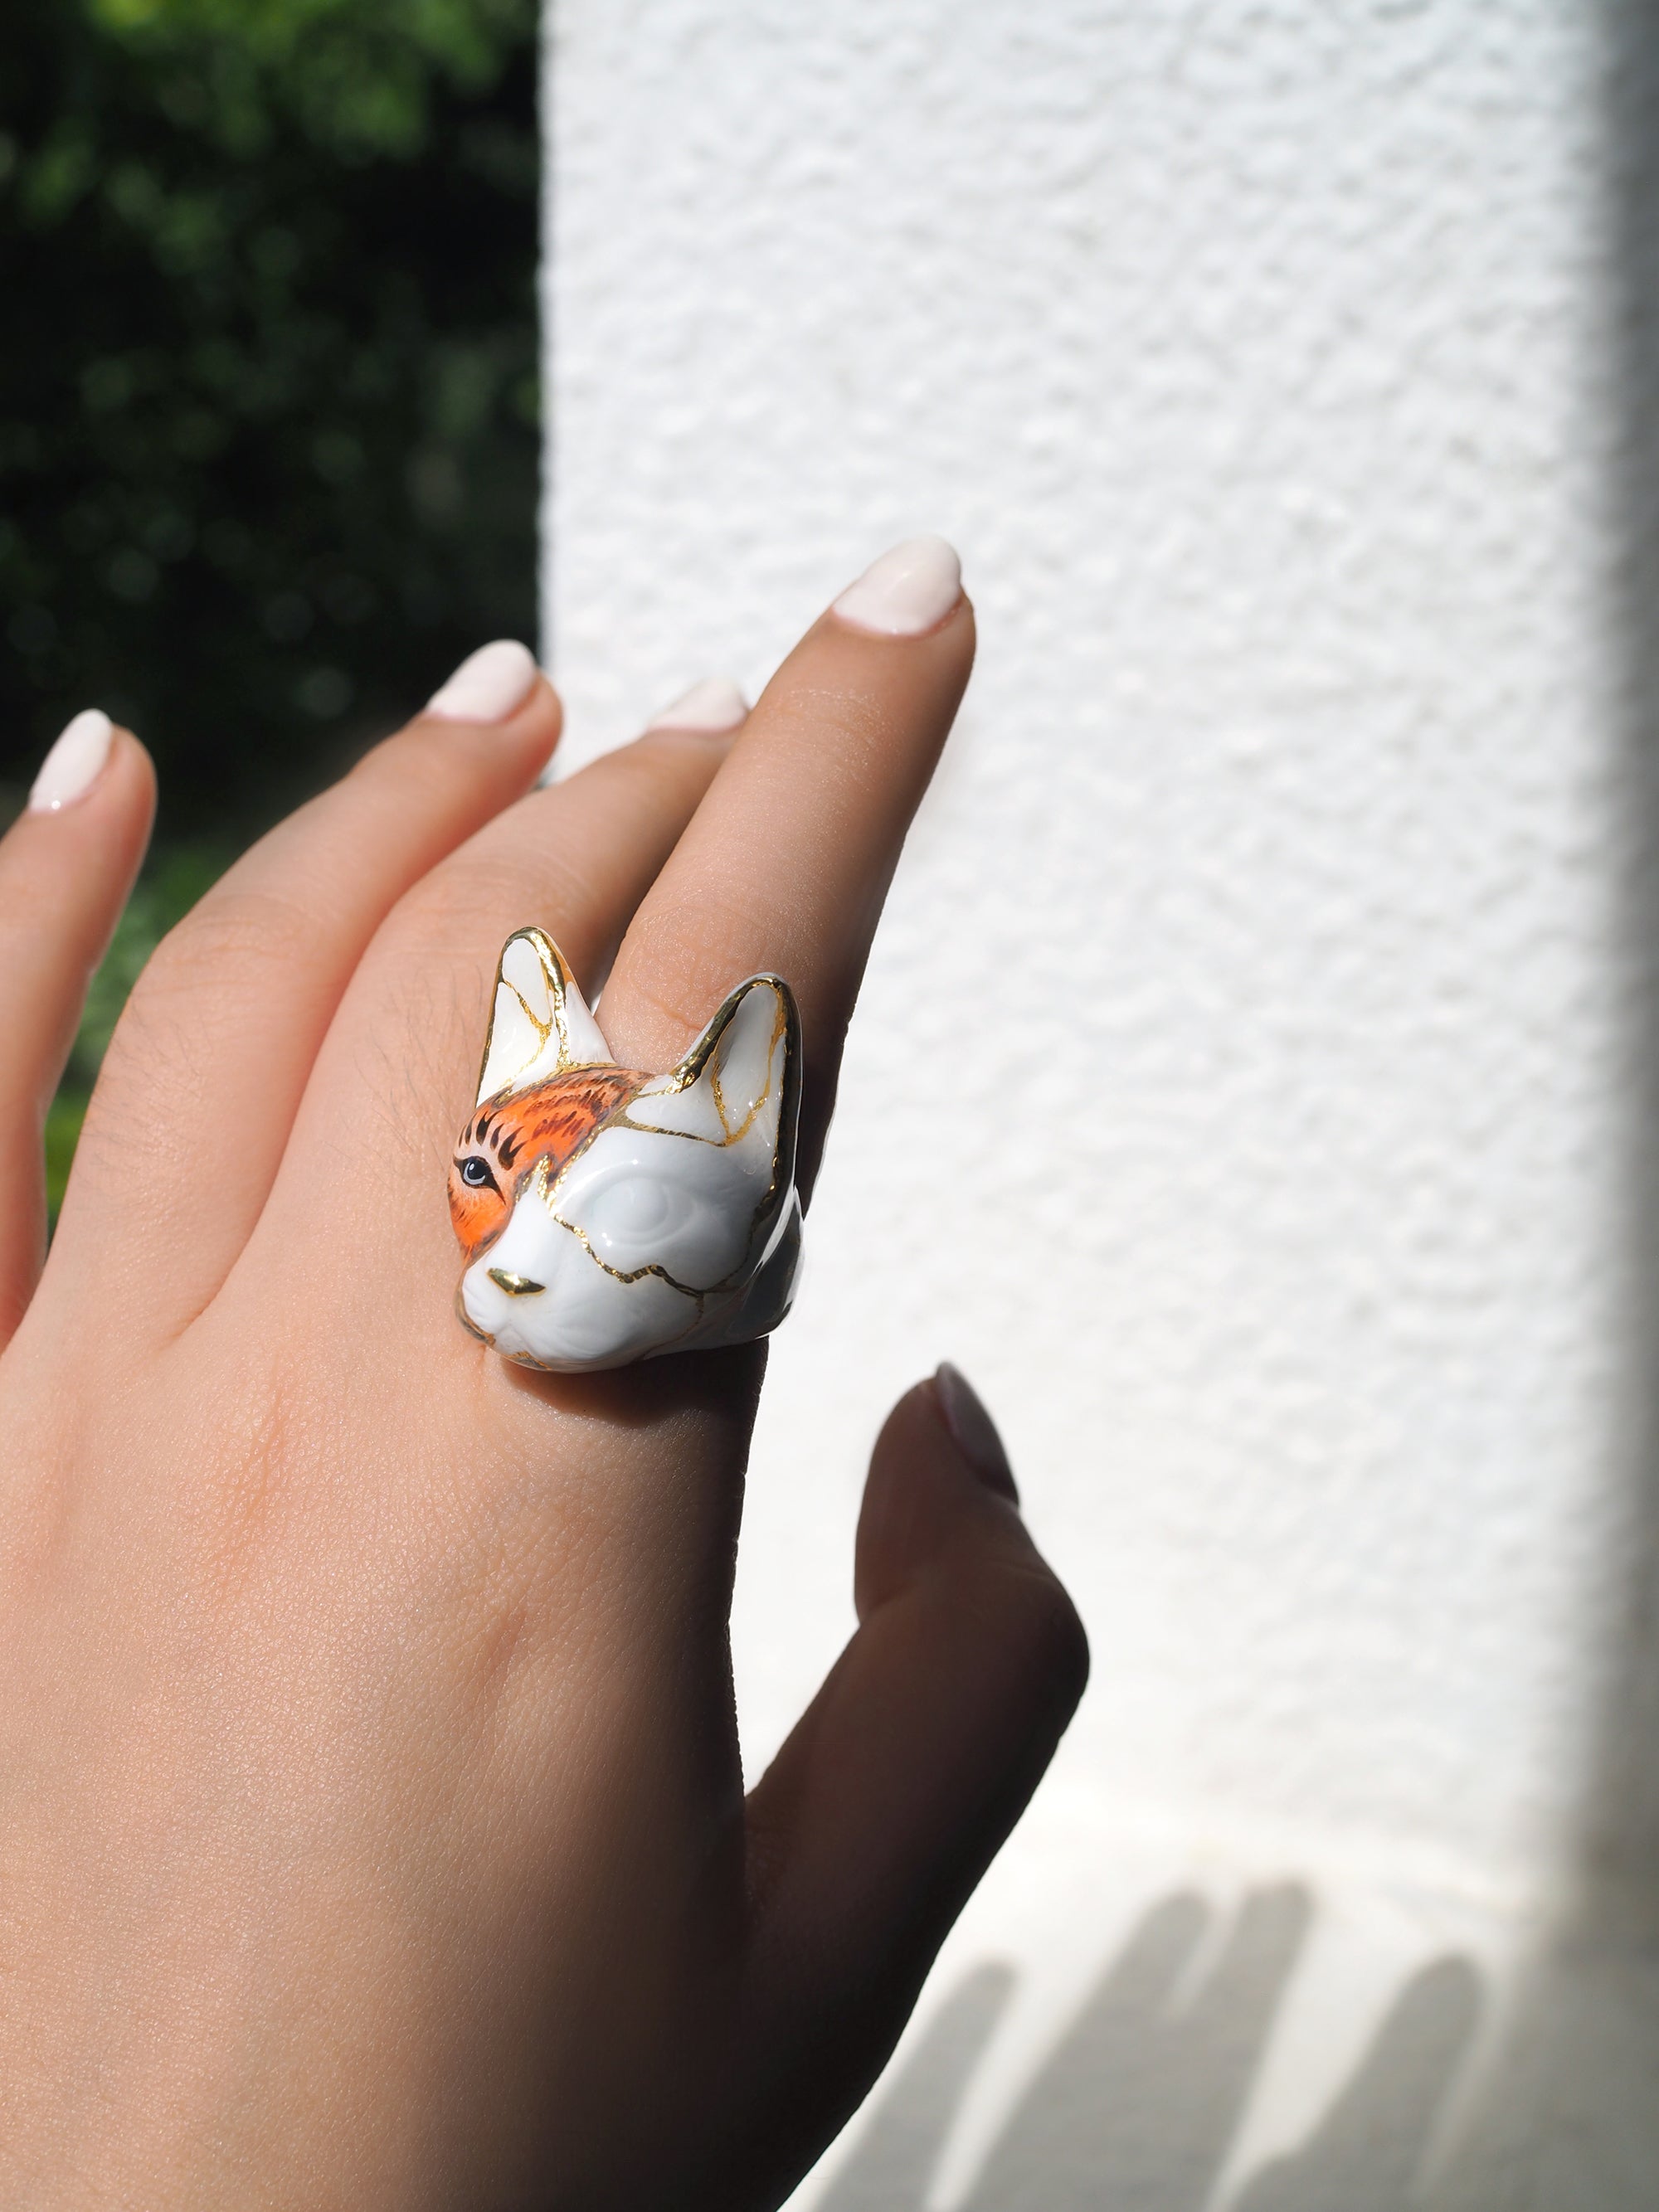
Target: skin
(372,1826)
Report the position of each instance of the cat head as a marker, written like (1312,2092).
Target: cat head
(608,1214)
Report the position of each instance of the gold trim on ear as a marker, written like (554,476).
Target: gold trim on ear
(785,1023)
(786,1028)
(568,1037)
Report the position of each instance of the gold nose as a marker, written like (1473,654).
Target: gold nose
(516,1286)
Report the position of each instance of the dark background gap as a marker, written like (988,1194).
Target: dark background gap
(268,399)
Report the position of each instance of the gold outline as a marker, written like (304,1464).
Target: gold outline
(779,1192)
(787,1026)
(561,981)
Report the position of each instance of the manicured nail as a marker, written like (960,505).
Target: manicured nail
(907,591)
(973,1432)
(72,766)
(716,704)
(488,685)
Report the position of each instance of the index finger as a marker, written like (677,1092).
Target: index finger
(787,862)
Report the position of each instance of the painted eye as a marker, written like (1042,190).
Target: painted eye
(476,1173)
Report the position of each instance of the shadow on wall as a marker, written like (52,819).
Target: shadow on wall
(1136,2108)
(1140,2103)
(1137,2105)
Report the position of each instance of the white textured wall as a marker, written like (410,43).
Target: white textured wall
(1263,363)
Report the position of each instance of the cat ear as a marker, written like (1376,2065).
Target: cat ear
(540,1024)
(740,1083)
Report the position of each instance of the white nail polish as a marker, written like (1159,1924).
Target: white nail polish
(909,590)
(488,685)
(72,766)
(716,704)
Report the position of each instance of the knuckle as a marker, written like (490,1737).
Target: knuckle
(1017,1601)
(683,959)
(666,759)
(234,935)
(1054,1638)
(469,897)
(19,905)
(493,886)
(422,760)
(1068,1644)
(195,994)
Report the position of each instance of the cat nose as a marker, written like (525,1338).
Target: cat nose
(516,1286)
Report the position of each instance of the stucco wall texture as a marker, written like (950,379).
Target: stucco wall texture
(1248,1087)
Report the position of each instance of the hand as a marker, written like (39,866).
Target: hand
(371,1831)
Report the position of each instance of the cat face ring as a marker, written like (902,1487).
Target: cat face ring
(607,1215)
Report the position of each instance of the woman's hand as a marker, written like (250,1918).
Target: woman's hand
(372,1830)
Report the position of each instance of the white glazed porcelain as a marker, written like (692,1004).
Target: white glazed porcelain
(607,1214)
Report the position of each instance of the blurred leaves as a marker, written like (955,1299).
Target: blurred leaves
(355,76)
(269,447)
(269,439)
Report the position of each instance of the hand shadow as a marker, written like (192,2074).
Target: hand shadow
(899,2149)
(1368,2154)
(1136,2107)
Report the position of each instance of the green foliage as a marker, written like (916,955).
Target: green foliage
(64,1119)
(269,442)
(268,405)
(356,75)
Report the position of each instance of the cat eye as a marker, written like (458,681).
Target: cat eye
(476,1173)
(640,1207)
(636,1218)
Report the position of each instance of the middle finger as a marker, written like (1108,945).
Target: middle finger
(787,863)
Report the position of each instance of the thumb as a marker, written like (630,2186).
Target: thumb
(900,1782)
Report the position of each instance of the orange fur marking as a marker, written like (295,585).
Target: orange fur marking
(514,1131)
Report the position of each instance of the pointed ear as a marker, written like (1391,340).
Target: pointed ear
(740,1082)
(540,1024)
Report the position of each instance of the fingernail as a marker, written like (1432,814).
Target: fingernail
(488,685)
(973,1432)
(716,704)
(907,591)
(72,766)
